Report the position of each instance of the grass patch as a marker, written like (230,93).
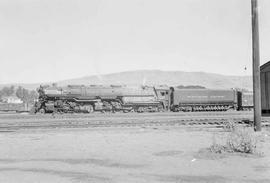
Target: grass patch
(229,125)
(242,140)
(239,139)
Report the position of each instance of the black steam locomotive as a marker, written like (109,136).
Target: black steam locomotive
(87,99)
(74,98)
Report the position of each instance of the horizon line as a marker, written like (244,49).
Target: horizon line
(16,83)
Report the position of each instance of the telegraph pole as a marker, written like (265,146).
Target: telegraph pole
(256,66)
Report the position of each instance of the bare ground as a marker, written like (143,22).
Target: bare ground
(9,122)
(160,154)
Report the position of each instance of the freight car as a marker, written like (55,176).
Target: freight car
(265,88)
(204,100)
(80,98)
(246,103)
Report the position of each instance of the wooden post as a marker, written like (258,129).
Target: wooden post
(256,66)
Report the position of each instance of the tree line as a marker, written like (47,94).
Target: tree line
(190,87)
(27,96)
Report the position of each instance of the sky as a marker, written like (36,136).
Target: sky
(52,40)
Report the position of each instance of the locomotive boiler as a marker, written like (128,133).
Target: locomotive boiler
(87,99)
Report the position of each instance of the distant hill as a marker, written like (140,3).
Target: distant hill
(157,77)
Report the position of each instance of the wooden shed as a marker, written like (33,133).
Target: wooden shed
(265,88)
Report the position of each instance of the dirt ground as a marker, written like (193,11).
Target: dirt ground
(143,155)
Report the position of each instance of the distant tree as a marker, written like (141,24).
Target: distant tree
(242,89)
(195,87)
(33,95)
(180,87)
(190,87)
(22,94)
(7,91)
(25,95)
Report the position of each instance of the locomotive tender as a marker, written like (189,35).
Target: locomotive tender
(87,99)
(204,100)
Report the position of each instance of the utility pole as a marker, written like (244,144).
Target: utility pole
(256,66)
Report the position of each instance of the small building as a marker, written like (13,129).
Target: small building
(265,88)
(12,100)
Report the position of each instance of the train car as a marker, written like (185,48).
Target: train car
(247,101)
(80,98)
(265,88)
(203,100)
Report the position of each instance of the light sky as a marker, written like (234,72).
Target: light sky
(52,40)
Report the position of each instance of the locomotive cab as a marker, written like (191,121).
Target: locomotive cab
(163,93)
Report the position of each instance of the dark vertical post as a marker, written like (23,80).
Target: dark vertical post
(256,66)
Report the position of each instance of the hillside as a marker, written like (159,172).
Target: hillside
(156,77)
(171,78)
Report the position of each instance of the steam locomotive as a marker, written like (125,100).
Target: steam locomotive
(87,99)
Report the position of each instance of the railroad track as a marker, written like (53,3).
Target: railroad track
(15,122)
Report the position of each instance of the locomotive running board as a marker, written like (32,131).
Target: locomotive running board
(86,100)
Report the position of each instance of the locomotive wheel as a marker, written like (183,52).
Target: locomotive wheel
(42,111)
(160,108)
(89,109)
